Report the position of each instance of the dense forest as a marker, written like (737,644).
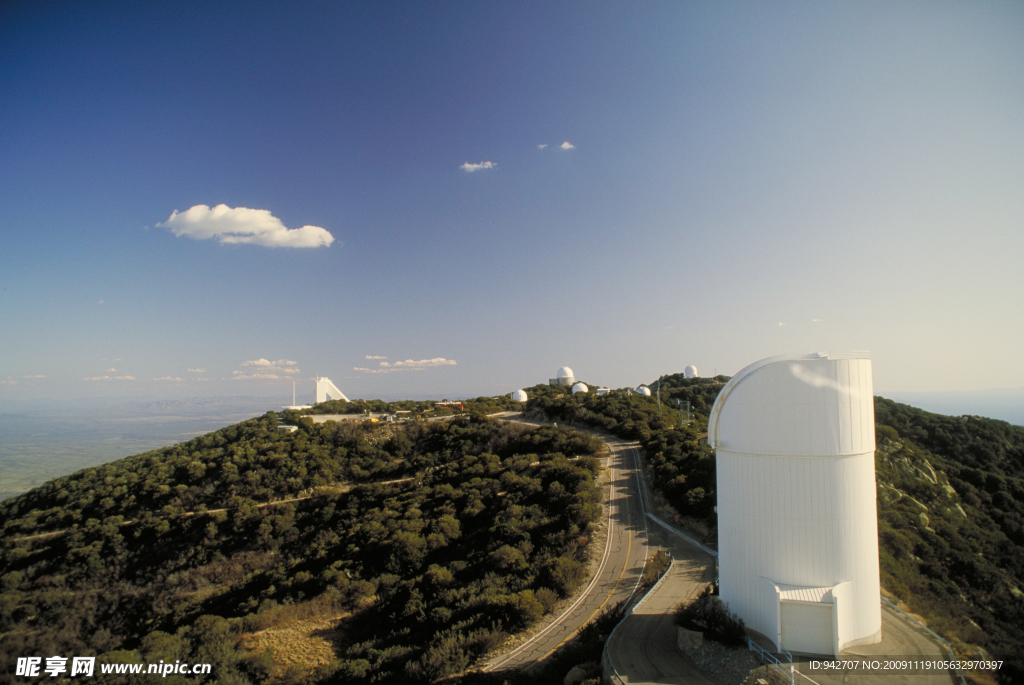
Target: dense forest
(429,542)
(950,499)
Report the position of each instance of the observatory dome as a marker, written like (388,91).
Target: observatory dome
(644,390)
(564,376)
(519,395)
(691,372)
(580,387)
(797,516)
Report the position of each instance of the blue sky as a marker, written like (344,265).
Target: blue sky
(740,180)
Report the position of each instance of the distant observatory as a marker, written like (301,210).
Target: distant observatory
(563,377)
(797,518)
(326,389)
(690,371)
(580,387)
(519,395)
(644,390)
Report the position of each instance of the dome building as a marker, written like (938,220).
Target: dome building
(580,387)
(644,390)
(564,377)
(519,396)
(797,517)
(691,372)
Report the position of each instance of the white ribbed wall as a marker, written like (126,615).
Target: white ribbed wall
(796,489)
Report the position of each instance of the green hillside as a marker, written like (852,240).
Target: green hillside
(425,543)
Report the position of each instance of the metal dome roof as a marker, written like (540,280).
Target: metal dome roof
(565,372)
(519,395)
(580,387)
(643,390)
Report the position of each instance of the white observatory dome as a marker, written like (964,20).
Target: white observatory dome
(691,372)
(580,387)
(643,390)
(797,512)
(565,376)
(519,395)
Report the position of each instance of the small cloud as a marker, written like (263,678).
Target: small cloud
(266,370)
(109,378)
(111,370)
(816,320)
(202,379)
(470,168)
(423,363)
(375,356)
(542,146)
(567,146)
(36,376)
(243,225)
(781,323)
(197,370)
(176,379)
(124,378)
(101,302)
(8,381)
(363,369)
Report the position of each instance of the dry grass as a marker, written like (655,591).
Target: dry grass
(300,645)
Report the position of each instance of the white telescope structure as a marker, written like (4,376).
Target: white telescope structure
(797,518)
(325,390)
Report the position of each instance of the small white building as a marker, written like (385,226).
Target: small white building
(797,517)
(519,395)
(602,391)
(643,390)
(580,387)
(691,372)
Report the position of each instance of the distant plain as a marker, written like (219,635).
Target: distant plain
(43,440)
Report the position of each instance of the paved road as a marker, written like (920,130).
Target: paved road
(621,566)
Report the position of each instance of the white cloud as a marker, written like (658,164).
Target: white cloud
(109,378)
(111,370)
(197,370)
(782,323)
(407,365)
(816,320)
(470,168)
(422,363)
(375,356)
(567,146)
(8,381)
(542,146)
(266,370)
(243,225)
(176,379)
(202,379)
(363,369)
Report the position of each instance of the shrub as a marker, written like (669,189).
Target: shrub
(708,615)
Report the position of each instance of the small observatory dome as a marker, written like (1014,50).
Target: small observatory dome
(565,376)
(691,372)
(519,395)
(643,390)
(580,387)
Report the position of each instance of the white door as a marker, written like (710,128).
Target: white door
(807,627)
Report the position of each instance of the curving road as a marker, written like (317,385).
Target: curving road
(621,567)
